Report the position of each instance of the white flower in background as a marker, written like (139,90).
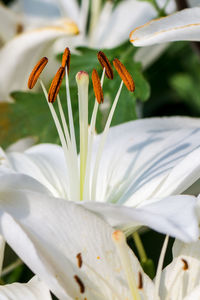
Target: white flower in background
(183,25)
(127,166)
(108,28)
(18,55)
(78,254)
(35,289)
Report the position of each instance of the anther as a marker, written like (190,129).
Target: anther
(185,264)
(97,86)
(66,59)
(124,74)
(79,260)
(105,64)
(37,70)
(140,281)
(80,283)
(55,85)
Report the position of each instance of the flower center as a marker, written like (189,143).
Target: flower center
(82,182)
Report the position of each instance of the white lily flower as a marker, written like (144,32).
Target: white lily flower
(183,25)
(29,47)
(138,164)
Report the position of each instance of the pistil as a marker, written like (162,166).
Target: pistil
(82,80)
(120,242)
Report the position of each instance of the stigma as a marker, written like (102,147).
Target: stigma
(82,180)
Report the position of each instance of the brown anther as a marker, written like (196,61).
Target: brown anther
(19,28)
(140,281)
(66,59)
(124,74)
(79,260)
(55,85)
(37,70)
(97,86)
(105,64)
(185,264)
(80,283)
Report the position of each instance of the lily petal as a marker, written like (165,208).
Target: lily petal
(33,290)
(45,163)
(28,47)
(150,158)
(185,267)
(9,24)
(49,251)
(183,25)
(117,29)
(173,215)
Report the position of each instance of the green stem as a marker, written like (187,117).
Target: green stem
(140,247)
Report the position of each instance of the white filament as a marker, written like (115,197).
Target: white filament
(159,268)
(91,132)
(102,143)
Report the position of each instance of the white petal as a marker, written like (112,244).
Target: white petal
(192,249)
(148,55)
(142,158)
(33,290)
(9,24)
(45,163)
(18,57)
(22,144)
(183,25)
(177,280)
(48,233)
(195,294)
(21,182)
(71,9)
(173,215)
(117,29)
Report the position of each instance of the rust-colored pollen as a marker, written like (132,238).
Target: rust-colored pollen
(97,86)
(55,85)
(124,74)
(79,260)
(66,59)
(80,283)
(37,70)
(105,64)
(140,281)
(185,264)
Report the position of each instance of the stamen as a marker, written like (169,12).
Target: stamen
(80,283)
(66,59)
(37,70)
(185,264)
(91,133)
(82,79)
(124,74)
(120,242)
(159,268)
(79,260)
(140,281)
(102,143)
(55,85)
(105,64)
(72,133)
(97,86)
